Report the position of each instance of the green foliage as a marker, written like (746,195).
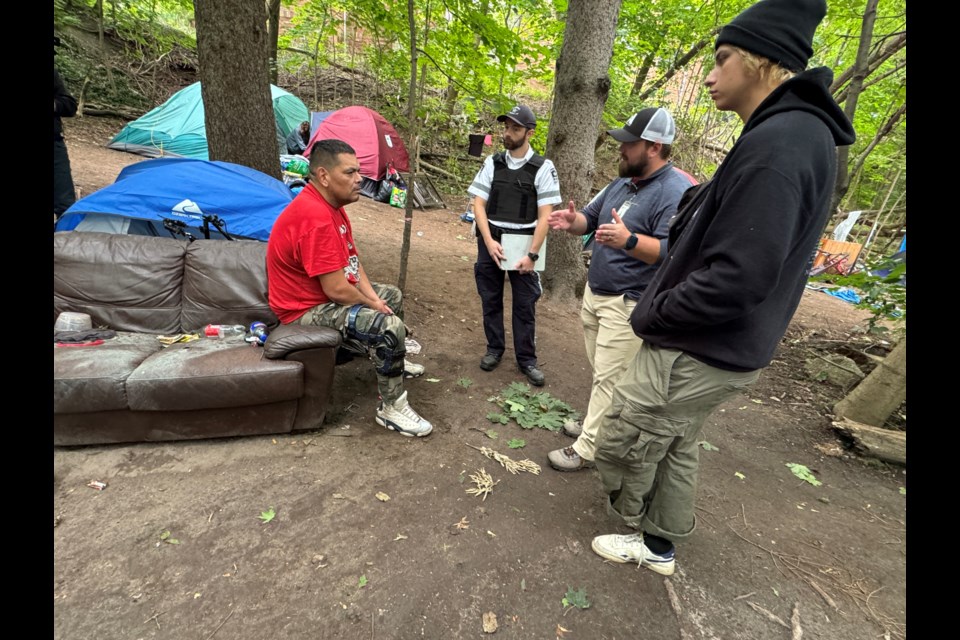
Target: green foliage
(903,491)
(490,433)
(516,443)
(576,598)
(803,473)
(362,582)
(884,296)
(498,418)
(465,382)
(707,446)
(530,409)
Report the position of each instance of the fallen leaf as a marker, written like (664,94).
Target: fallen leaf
(756,401)
(382,497)
(491,534)
(267,515)
(433,379)
(362,582)
(400,536)
(463,524)
(196,595)
(489,622)
(739,475)
(707,446)
(561,631)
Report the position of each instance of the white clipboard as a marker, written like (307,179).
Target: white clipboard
(516,246)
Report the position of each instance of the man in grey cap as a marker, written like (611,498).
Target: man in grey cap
(514,193)
(630,219)
(739,256)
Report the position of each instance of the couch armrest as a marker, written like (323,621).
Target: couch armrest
(287,338)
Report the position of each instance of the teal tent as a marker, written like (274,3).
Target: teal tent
(176,127)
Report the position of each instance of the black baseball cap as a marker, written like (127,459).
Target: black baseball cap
(653,124)
(522,115)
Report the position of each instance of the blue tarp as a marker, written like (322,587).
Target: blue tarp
(183,190)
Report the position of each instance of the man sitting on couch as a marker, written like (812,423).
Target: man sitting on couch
(314,277)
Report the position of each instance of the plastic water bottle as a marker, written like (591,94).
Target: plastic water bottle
(224,331)
(258,333)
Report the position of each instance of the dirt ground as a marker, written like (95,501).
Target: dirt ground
(770,552)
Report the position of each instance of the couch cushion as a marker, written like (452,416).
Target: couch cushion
(88,379)
(212,374)
(225,282)
(125,283)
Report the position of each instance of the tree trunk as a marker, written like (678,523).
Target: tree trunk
(273,35)
(853,94)
(235,83)
(415,135)
(880,393)
(645,66)
(885,444)
(580,91)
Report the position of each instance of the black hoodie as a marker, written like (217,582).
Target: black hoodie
(740,251)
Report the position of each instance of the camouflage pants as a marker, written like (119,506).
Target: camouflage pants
(384,334)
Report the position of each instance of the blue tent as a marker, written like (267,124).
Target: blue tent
(180,196)
(177,128)
(316,117)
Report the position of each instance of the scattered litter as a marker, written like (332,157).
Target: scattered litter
(382,497)
(463,524)
(96,484)
(178,337)
(400,536)
(412,346)
(739,475)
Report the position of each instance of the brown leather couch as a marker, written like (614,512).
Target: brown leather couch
(131,388)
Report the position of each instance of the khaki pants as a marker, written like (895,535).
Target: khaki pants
(647,452)
(385,334)
(611,345)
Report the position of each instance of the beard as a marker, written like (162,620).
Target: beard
(626,169)
(512,145)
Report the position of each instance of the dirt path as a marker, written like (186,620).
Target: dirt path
(336,562)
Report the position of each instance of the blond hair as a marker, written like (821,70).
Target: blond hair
(768,71)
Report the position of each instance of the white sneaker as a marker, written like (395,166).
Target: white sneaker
(412,369)
(632,549)
(401,417)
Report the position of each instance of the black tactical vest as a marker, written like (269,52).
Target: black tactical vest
(513,192)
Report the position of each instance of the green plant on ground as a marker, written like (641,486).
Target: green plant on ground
(529,409)
(576,598)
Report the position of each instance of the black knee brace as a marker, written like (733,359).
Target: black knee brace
(392,359)
(372,337)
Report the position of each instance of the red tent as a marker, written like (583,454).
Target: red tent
(375,140)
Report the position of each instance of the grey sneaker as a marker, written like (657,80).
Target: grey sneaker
(632,549)
(412,369)
(567,459)
(400,416)
(573,428)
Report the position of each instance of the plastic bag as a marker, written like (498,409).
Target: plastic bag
(398,197)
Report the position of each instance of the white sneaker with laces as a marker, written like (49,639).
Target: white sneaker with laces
(632,549)
(412,369)
(401,417)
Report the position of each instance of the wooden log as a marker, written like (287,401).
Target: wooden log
(885,444)
(439,170)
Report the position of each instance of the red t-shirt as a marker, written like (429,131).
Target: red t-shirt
(310,238)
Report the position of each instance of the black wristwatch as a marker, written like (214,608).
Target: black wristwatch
(533,256)
(631,242)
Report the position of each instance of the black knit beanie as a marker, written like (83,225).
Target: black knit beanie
(781,30)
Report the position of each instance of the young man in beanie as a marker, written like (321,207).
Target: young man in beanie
(739,253)
(514,192)
(630,219)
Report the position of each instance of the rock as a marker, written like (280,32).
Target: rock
(489,622)
(834,368)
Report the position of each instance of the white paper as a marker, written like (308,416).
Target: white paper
(516,246)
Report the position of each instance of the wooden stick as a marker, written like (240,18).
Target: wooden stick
(795,622)
(220,625)
(768,615)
